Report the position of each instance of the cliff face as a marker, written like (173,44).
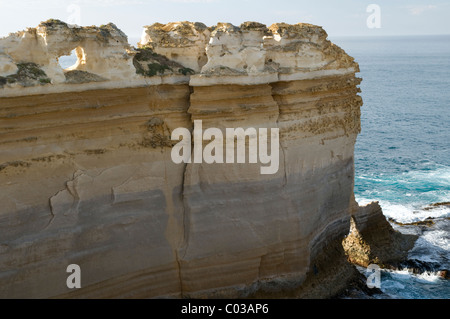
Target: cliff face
(87,178)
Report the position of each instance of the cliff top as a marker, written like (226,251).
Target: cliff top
(173,52)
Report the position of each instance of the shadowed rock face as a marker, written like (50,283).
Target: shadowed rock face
(86,175)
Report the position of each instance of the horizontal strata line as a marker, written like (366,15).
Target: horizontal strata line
(86,100)
(231,107)
(227,100)
(67,88)
(299,99)
(118,286)
(319,82)
(35,108)
(232,96)
(306,93)
(65,129)
(297,106)
(203,263)
(106,112)
(262,78)
(315,74)
(313,97)
(46,119)
(141,118)
(315,117)
(194,80)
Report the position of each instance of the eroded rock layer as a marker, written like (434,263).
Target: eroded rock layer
(87,178)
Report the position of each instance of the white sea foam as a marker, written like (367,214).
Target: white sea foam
(404,284)
(403,196)
(407,213)
(433,246)
(429,277)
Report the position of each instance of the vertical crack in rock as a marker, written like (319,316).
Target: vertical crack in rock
(65,201)
(280,139)
(184,240)
(178,243)
(184,236)
(52,214)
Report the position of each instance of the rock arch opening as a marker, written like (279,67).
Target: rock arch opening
(73,60)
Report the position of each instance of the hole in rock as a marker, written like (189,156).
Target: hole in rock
(73,60)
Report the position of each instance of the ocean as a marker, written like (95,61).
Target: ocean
(402,155)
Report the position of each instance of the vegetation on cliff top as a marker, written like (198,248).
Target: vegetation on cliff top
(51,23)
(149,63)
(28,74)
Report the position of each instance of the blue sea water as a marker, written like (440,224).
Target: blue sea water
(402,156)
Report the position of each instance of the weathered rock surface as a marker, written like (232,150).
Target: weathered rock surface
(372,240)
(86,175)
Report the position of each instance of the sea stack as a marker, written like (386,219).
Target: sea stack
(87,178)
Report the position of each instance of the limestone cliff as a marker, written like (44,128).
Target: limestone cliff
(86,175)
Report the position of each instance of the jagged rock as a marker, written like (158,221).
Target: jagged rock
(150,63)
(372,240)
(444,274)
(437,205)
(182,42)
(428,222)
(418,266)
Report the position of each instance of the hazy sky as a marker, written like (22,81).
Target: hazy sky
(338,17)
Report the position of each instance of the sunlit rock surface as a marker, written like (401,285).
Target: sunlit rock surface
(86,175)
